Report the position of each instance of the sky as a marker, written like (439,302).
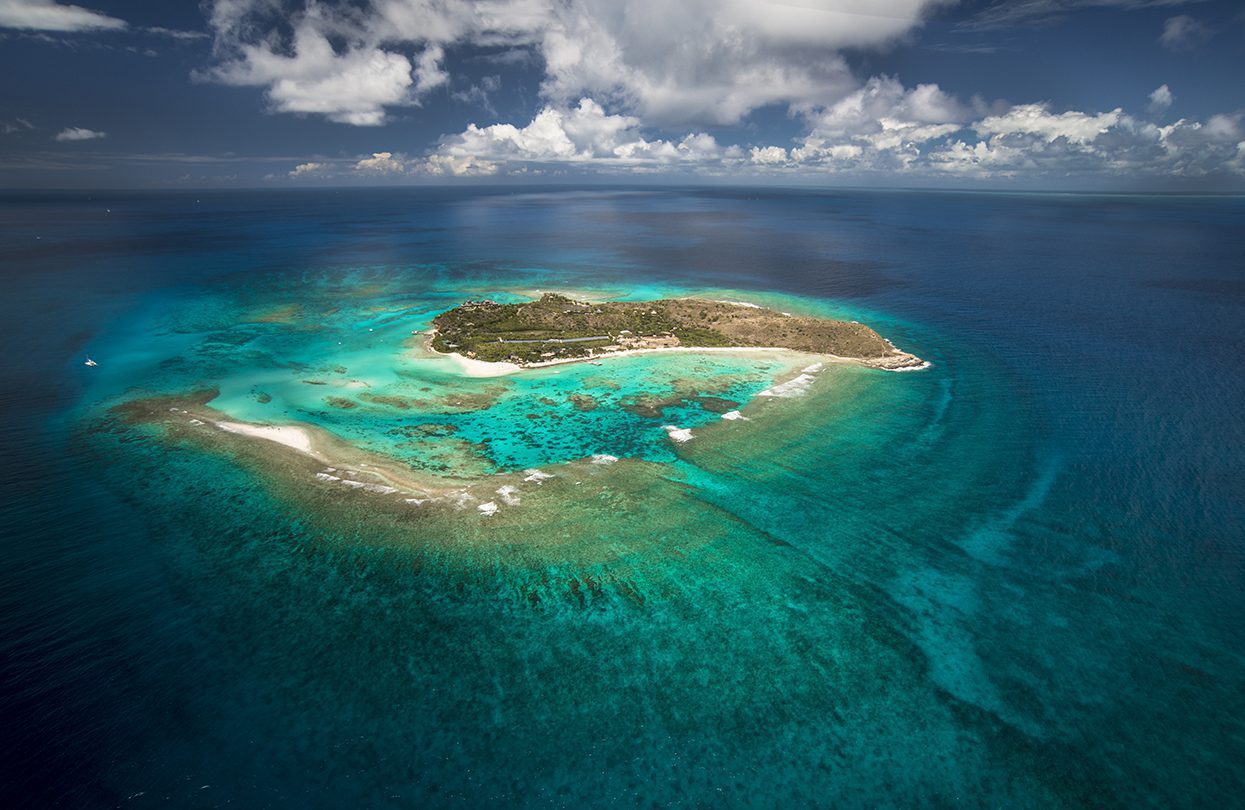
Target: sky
(1113,95)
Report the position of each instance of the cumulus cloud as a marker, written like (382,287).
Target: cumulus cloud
(79,134)
(1032,140)
(697,61)
(768,155)
(881,125)
(458,166)
(1183,32)
(1161,99)
(48,15)
(352,86)
(1037,121)
(304,169)
(583,135)
(381,163)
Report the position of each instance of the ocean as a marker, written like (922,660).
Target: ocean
(1013,579)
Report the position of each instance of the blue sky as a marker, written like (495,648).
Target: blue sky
(1046,94)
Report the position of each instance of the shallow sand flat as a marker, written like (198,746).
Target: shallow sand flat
(304,452)
(510,519)
(289,435)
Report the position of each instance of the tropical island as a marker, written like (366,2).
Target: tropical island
(558,329)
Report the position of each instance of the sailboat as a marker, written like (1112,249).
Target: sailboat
(91,363)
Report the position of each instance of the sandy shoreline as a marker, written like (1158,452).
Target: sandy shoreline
(470,367)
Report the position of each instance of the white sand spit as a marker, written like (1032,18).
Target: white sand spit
(287,435)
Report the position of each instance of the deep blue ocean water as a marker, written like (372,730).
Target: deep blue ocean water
(1016,579)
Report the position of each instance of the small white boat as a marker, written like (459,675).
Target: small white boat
(91,363)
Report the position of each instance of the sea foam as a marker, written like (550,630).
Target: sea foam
(791,388)
(367,486)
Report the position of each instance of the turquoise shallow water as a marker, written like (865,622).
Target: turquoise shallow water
(1014,579)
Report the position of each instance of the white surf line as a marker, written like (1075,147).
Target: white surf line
(678,434)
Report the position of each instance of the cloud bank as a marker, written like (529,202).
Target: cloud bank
(881,128)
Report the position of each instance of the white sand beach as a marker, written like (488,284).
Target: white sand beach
(470,367)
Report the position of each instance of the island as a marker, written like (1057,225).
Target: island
(559,329)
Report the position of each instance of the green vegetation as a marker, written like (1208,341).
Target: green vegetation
(556,327)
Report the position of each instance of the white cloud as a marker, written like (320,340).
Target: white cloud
(175,33)
(1030,140)
(79,134)
(381,163)
(703,61)
(351,87)
(881,125)
(582,136)
(1161,99)
(428,71)
(1224,127)
(1183,32)
(1037,120)
(768,155)
(47,15)
(458,166)
(882,129)
(304,169)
